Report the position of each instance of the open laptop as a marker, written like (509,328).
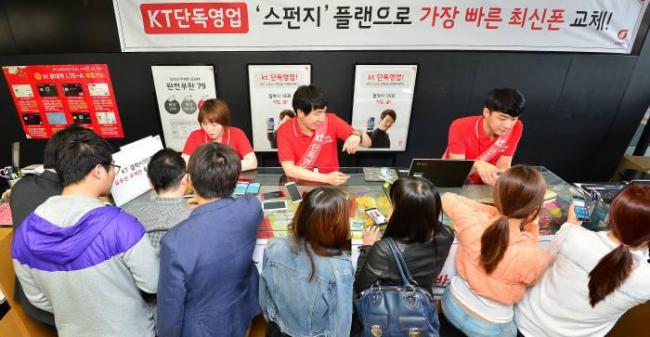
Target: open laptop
(441,172)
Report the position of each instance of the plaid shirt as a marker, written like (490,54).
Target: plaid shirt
(157,215)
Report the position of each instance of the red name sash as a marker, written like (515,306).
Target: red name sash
(313,150)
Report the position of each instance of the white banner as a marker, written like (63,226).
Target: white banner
(551,25)
(383,96)
(180,92)
(132,180)
(271,90)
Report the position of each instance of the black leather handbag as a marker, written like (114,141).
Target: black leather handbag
(397,311)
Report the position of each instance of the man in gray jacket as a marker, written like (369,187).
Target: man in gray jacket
(82,260)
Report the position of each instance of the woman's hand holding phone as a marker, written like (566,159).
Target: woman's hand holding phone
(572,218)
(371,235)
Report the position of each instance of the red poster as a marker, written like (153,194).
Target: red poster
(49,98)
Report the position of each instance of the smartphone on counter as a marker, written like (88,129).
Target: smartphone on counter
(376,216)
(294,192)
(272,195)
(580,206)
(274,205)
(253,188)
(240,189)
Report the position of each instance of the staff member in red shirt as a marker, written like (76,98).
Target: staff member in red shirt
(214,117)
(489,139)
(307,143)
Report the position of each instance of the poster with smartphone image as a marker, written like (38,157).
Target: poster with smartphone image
(50,97)
(180,92)
(271,90)
(383,97)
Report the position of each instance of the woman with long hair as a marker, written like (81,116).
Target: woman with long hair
(498,253)
(596,276)
(420,236)
(307,278)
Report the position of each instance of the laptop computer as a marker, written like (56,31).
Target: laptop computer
(441,172)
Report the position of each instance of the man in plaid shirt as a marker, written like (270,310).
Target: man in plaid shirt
(164,207)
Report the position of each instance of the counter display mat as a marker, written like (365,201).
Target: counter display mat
(551,217)
(276,223)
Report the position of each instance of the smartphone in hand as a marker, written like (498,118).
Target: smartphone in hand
(580,206)
(376,216)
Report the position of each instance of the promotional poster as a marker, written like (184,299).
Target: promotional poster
(131,180)
(180,92)
(383,97)
(50,97)
(271,90)
(551,25)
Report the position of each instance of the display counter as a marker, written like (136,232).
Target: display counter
(363,195)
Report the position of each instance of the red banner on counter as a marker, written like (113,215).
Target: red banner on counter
(50,97)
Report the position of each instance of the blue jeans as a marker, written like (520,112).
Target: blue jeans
(471,325)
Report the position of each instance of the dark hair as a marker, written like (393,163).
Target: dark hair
(518,194)
(215,110)
(508,101)
(388,112)
(416,210)
(214,169)
(81,150)
(52,150)
(287,112)
(629,222)
(165,170)
(322,224)
(308,97)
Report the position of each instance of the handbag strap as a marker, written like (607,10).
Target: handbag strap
(400,263)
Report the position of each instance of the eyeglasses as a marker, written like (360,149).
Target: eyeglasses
(117,167)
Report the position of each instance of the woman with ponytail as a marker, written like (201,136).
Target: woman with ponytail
(596,276)
(498,254)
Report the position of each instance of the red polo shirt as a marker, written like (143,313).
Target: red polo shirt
(466,136)
(232,136)
(292,142)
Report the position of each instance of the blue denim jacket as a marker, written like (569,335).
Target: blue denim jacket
(302,308)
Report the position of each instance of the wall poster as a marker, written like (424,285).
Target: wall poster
(180,92)
(271,90)
(383,97)
(50,97)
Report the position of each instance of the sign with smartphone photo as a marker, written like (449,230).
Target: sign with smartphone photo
(271,90)
(383,97)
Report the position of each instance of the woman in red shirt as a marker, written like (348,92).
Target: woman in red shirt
(214,118)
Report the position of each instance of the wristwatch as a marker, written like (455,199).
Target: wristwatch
(357,133)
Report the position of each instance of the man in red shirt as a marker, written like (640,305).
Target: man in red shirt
(489,139)
(307,143)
